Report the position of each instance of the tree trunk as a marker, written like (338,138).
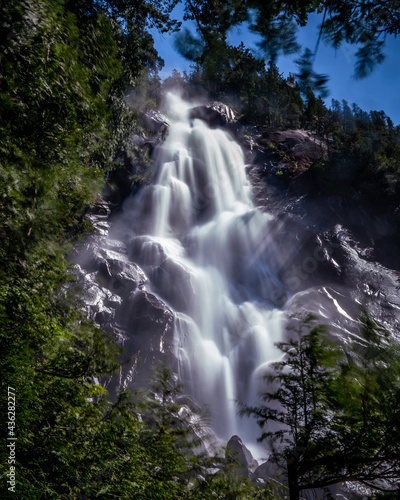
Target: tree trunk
(294,492)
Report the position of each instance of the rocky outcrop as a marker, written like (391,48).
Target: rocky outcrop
(270,473)
(237,449)
(129,173)
(299,144)
(155,122)
(149,323)
(331,254)
(215,113)
(116,298)
(116,273)
(286,154)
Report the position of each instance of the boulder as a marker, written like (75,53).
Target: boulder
(291,152)
(298,143)
(155,122)
(243,455)
(114,271)
(267,471)
(117,273)
(216,114)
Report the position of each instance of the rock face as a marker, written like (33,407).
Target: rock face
(238,450)
(287,154)
(155,121)
(330,254)
(269,471)
(150,325)
(116,298)
(216,114)
(297,143)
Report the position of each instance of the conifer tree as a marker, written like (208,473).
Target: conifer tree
(337,413)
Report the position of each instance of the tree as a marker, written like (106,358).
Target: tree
(64,70)
(178,463)
(364,24)
(337,411)
(176,80)
(171,432)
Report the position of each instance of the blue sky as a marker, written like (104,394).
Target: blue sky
(379,91)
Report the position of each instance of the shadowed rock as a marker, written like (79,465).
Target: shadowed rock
(243,455)
(155,121)
(216,114)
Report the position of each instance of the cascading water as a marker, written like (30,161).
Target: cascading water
(206,251)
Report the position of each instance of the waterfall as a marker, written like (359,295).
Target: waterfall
(208,254)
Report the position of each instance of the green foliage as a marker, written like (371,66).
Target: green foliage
(308,79)
(337,412)
(363,154)
(309,358)
(74,443)
(262,95)
(364,24)
(368,390)
(172,434)
(64,69)
(54,120)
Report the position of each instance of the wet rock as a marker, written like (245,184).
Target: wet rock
(148,310)
(114,271)
(155,121)
(288,154)
(139,140)
(215,113)
(146,331)
(243,455)
(101,209)
(98,214)
(114,297)
(100,304)
(117,273)
(113,301)
(144,249)
(173,280)
(268,471)
(99,223)
(148,322)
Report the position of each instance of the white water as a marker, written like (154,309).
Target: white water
(203,245)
